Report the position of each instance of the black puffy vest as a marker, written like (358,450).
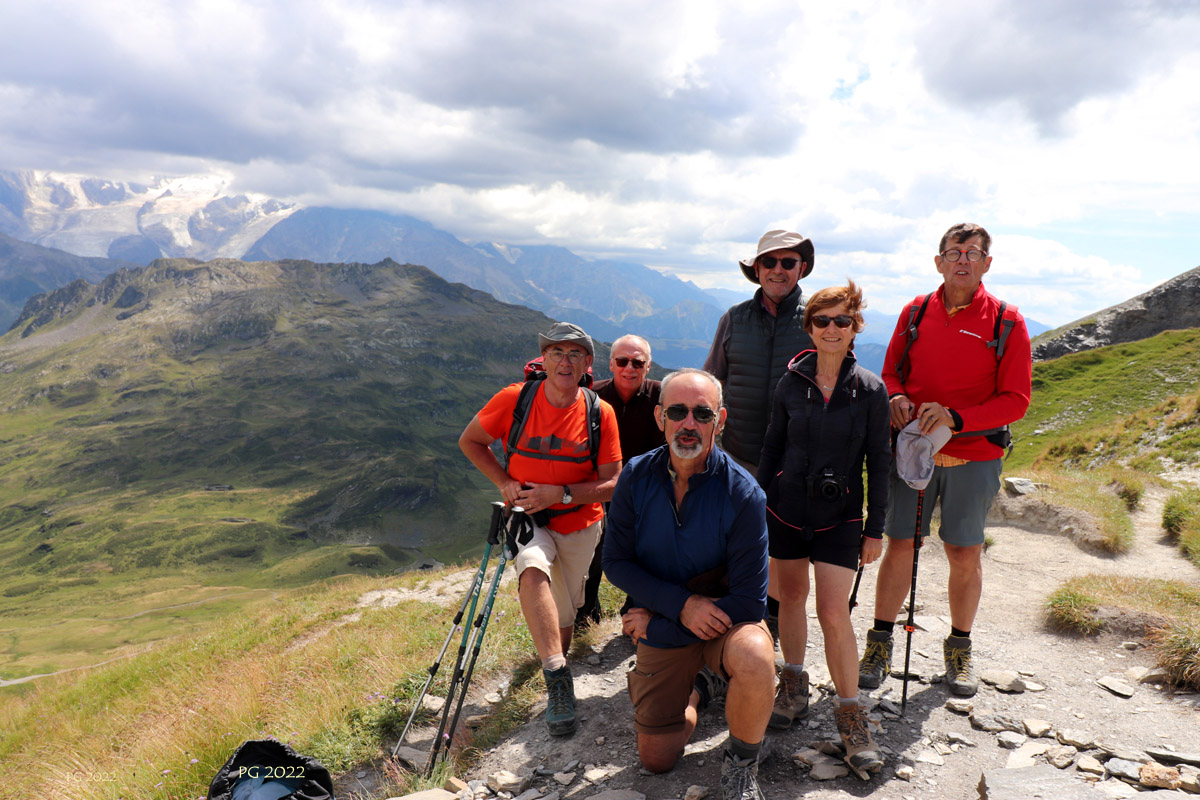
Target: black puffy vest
(760,348)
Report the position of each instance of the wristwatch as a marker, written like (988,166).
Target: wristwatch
(567,495)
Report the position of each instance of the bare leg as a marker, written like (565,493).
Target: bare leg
(895,578)
(833,612)
(750,661)
(966,583)
(541,615)
(793,618)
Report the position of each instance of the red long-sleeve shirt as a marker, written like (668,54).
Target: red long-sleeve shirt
(950,363)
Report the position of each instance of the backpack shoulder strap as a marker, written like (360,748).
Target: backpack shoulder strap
(915,315)
(1001,331)
(593,413)
(520,415)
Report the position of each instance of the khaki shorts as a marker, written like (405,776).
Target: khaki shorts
(662,680)
(565,559)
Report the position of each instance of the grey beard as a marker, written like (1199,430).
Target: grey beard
(686,450)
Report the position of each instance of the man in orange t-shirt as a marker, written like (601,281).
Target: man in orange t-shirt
(551,470)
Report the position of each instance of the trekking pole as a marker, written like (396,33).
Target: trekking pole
(854,591)
(481,623)
(472,594)
(460,661)
(910,625)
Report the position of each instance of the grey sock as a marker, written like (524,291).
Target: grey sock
(742,750)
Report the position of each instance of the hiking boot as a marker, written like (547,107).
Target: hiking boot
(791,699)
(862,755)
(560,701)
(960,675)
(876,661)
(710,686)
(739,778)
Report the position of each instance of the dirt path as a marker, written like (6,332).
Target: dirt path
(1020,570)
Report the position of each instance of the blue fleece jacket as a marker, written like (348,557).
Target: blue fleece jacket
(652,549)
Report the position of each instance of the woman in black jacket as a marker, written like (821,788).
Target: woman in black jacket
(830,415)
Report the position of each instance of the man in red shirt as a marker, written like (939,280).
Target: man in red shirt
(551,471)
(950,377)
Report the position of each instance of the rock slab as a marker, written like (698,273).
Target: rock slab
(1026,783)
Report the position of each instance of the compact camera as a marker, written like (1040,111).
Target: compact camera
(828,486)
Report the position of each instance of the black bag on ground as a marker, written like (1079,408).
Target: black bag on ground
(263,768)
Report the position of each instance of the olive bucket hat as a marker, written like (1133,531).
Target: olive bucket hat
(780,240)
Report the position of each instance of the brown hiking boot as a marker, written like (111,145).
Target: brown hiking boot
(862,755)
(960,675)
(791,699)
(876,661)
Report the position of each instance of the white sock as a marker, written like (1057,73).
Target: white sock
(847,701)
(795,669)
(554,662)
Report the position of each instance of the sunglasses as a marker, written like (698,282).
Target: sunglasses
(679,412)
(622,362)
(769,262)
(841,320)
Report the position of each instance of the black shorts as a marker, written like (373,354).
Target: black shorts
(838,545)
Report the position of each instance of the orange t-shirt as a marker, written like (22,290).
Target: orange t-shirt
(554,431)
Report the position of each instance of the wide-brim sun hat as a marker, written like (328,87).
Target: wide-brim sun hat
(565,332)
(781,240)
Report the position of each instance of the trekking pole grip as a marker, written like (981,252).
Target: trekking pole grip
(493,534)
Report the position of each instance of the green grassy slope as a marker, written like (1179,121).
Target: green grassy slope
(194,429)
(1133,391)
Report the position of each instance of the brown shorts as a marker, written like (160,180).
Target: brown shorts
(662,680)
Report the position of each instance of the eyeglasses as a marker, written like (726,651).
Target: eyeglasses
(972,255)
(769,262)
(622,362)
(574,356)
(841,320)
(679,412)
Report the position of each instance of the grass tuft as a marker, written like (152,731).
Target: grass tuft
(1075,606)
(1181,519)
(1178,649)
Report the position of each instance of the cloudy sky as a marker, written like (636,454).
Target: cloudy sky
(669,133)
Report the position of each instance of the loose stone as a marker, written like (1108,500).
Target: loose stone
(959,706)
(1076,738)
(1157,776)
(564,778)
(1089,765)
(995,722)
(904,773)
(1125,770)
(828,770)
(1005,680)
(930,757)
(695,792)
(1037,728)
(505,781)
(1010,740)
(1061,756)
(1024,755)
(1116,686)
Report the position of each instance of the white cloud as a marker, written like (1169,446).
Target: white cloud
(671,133)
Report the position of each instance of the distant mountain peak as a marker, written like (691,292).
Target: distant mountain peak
(1173,305)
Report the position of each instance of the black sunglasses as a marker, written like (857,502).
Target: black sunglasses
(679,412)
(637,362)
(789,264)
(841,320)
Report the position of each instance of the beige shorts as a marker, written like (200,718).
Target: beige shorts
(565,558)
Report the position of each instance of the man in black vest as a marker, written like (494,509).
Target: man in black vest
(756,339)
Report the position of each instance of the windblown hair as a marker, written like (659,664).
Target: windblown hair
(830,296)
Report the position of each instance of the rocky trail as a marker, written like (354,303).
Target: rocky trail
(1049,729)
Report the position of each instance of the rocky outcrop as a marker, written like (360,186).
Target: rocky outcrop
(1173,305)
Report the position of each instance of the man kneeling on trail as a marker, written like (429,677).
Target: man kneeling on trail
(554,475)
(687,539)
